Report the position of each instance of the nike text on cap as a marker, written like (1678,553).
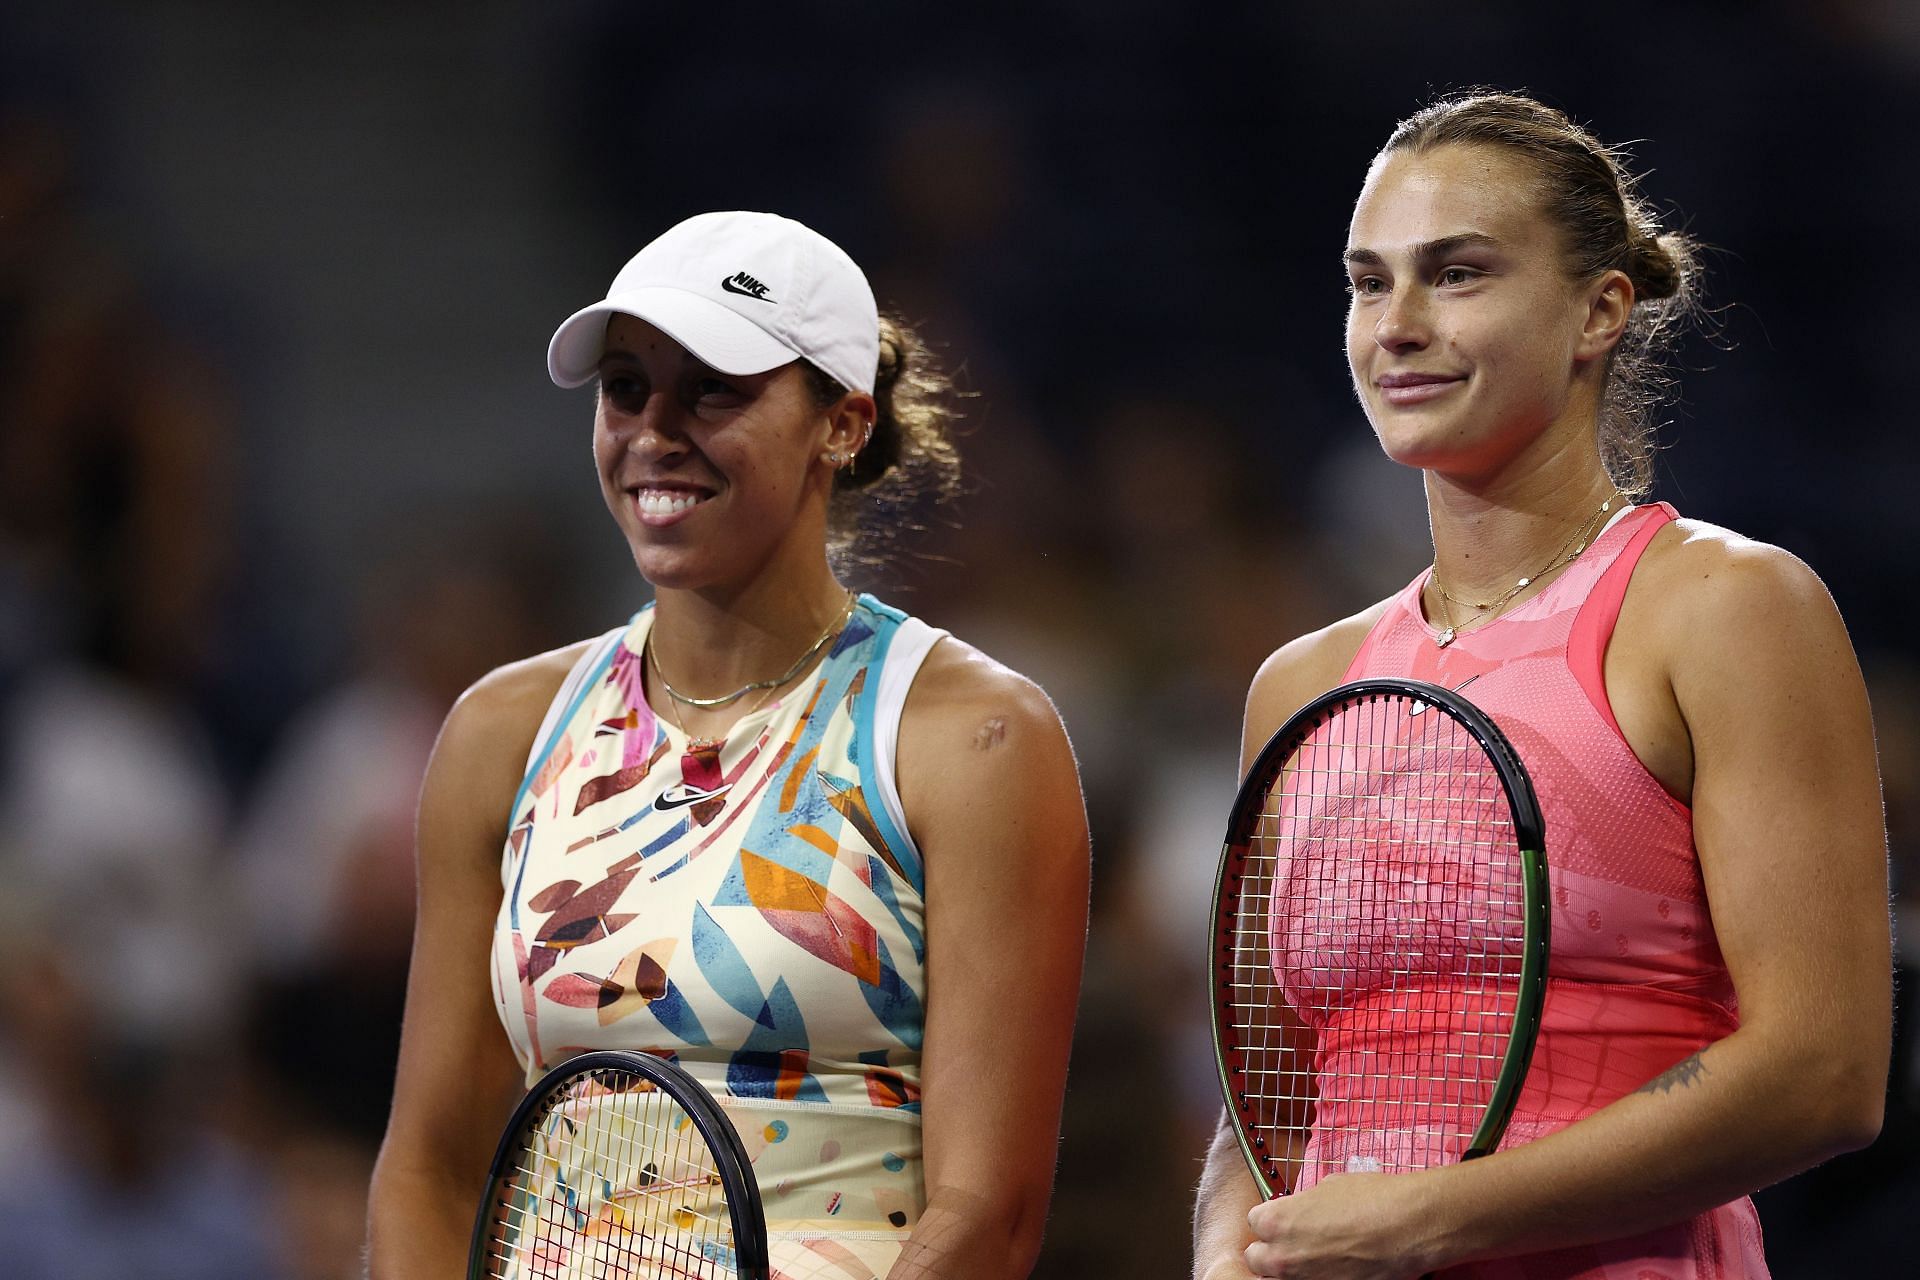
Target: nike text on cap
(744,292)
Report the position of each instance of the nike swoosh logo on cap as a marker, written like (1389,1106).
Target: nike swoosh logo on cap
(677,797)
(747,287)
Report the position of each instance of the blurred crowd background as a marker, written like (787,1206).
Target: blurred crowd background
(281,472)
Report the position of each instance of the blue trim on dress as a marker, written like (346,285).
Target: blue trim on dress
(903,850)
(566,717)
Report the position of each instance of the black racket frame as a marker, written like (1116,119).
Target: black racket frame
(1529,827)
(730,1157)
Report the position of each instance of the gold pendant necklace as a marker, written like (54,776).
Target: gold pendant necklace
(675,698)
(1569,552)
(697,745)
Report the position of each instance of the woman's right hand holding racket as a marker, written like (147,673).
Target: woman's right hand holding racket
(1352,1226)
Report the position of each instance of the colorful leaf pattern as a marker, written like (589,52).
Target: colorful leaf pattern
(771,938)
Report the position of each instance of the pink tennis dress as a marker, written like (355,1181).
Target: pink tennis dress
(1635,981)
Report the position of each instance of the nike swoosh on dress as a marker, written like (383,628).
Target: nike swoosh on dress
(683,795)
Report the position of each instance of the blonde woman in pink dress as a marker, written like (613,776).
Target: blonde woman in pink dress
(1718,1007)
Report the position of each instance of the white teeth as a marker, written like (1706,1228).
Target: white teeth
(664,502)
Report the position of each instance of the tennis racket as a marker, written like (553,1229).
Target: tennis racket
(619,1166)
(1379,937)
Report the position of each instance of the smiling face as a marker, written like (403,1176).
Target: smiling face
(712,477)
(1468,341)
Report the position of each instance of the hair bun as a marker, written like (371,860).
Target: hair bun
(909,459)
(1657,265)
(1587,189)
(892,357)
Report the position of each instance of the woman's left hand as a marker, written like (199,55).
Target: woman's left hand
(1354,1226)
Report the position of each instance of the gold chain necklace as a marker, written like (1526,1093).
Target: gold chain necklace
(653,660)
(1569,552)
(697,745)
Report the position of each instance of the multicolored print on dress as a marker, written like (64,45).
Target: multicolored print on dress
(752,911)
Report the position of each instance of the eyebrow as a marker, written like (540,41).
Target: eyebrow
(1427,251)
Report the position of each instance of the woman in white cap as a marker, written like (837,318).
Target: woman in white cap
(832,859)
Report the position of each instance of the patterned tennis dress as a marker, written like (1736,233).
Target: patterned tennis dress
(753,911)
(1635,980)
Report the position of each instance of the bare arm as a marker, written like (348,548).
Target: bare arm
(1787,819)
(1787,822)
(1227,1195)
(989,781)
(457,1077)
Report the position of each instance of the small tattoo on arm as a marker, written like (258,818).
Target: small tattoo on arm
(990,735)
(1678,1076)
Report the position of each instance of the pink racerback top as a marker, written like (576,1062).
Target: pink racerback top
(1635,980)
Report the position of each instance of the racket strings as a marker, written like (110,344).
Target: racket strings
(614,1181)
(1375,945)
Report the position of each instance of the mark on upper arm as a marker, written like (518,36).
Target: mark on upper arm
(990,735)
(1678,1076)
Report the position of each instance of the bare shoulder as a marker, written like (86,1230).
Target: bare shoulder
(483,746)
(985,771)
(1304,668)
(1743,633)
(510,701)
(963,700)
(1706,580)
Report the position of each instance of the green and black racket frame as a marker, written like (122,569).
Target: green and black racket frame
(1379,937)
(619,1163)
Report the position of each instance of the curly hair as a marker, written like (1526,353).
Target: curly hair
(910,457)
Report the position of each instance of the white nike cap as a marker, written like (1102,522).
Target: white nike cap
(744,292)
